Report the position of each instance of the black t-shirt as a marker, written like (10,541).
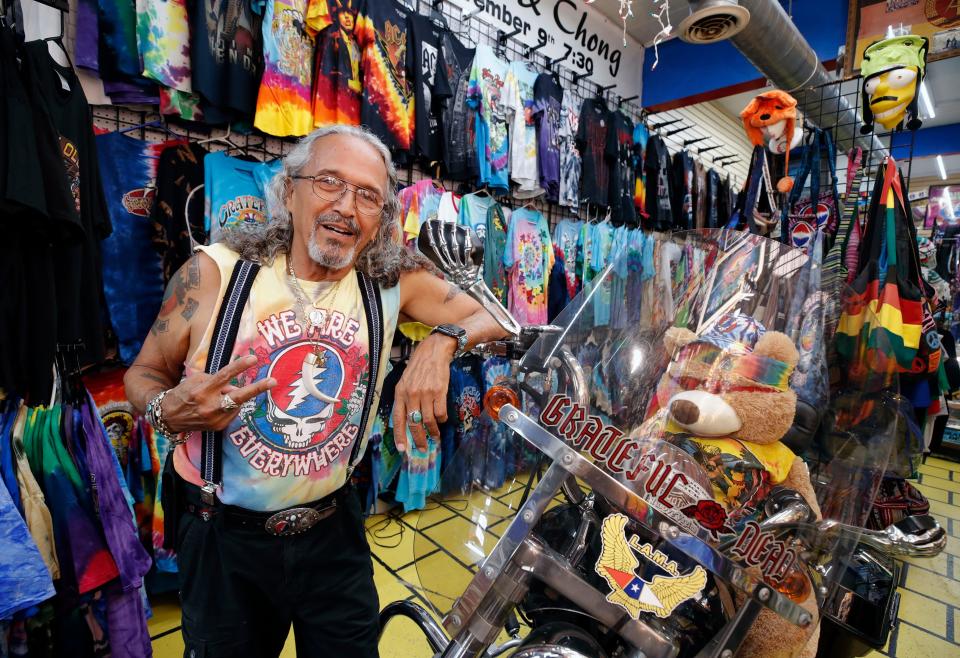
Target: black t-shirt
(713,194)
(620,154)
(179,171)
(77,271)
(387,60)
(32,178)
(426,53)
(592,143)
(457,119)
(657,165)
(226,53)
(682,190)
(547,104)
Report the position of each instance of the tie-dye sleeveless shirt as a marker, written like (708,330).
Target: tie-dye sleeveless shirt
(288,447)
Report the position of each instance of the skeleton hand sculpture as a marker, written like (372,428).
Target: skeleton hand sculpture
(458,253)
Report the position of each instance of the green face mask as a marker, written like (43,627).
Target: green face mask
(892,70)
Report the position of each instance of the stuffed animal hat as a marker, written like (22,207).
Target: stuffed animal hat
(767,109)
(906,52)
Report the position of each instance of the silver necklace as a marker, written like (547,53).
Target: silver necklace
(316,317)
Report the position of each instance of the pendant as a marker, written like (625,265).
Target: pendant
(317,317)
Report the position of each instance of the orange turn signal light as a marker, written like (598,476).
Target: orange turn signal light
(795,585)
(497,396)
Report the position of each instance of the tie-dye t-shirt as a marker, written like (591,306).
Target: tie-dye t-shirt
(233,192)
(485,93)
(288,447)
(132,272)
(518,98)
(383,35)
(283,104)
(336,86)
(163,38)
(566,235)
(528,257)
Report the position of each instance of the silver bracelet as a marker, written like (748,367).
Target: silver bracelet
(154,416)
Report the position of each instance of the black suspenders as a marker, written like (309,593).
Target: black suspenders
(221,348)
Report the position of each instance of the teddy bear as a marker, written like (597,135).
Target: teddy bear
(725,400)
(770,119)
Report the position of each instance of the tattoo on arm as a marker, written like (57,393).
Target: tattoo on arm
(187,278)
(154,378)
(189,308)
(453,292)
(160,326)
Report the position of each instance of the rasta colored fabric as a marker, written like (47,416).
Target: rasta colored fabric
(880,325)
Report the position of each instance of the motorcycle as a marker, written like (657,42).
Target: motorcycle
(614,544)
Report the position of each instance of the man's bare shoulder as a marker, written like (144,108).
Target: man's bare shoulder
(190,295)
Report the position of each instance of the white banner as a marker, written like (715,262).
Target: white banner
(591,43)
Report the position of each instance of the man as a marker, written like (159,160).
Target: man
(291,402)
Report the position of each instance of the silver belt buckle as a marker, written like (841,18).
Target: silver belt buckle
(296,520)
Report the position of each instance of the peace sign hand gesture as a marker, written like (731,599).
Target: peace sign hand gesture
(198,402)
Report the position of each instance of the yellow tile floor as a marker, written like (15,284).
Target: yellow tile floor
(929,618)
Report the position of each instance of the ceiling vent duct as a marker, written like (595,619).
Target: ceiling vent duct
(712,20)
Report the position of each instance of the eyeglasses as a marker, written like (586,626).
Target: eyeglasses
(330,188)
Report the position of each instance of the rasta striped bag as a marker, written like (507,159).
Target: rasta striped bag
(882,315)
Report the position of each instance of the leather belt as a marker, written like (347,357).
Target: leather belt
(283,523)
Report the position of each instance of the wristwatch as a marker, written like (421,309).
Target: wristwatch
(455,332)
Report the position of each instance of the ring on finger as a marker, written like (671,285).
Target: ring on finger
(227,403)
(415,417)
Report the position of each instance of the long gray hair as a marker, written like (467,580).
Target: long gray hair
(383,259)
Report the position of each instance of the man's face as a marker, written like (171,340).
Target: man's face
(334,232)
(890,93)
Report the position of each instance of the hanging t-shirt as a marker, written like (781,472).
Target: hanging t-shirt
(233,192)
(519,100)
(601,242)
(283,104)
(337,84)
(163,38)
(495,243)
(622,179)
(473,212)
(458,120)
(592,142)
(426,62)
(699,195)
(548,97)
(713,192)
(682,201)
(119,58)
(566,235)
(570,162)
(288,447)
(657,165)
(528,257)
(77,273)
(640,137)
(383,34)
(485,93)
(449,208)
(226,50)
(619,258)
(179,172)
(132,276)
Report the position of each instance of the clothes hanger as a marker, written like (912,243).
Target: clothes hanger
(186,217)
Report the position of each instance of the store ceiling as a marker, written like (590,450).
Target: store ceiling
(641,26)
(942,77)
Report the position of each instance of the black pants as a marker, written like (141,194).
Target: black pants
(241,589)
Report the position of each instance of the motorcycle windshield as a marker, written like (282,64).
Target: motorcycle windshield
(688,389)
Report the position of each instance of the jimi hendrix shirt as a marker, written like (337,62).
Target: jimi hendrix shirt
(289,446)
(336,84)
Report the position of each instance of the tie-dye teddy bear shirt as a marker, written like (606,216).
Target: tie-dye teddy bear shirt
(288,447)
